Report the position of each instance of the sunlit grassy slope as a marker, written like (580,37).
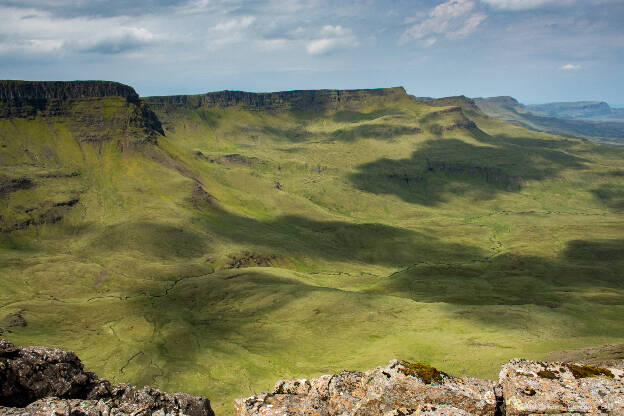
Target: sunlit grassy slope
(248,246)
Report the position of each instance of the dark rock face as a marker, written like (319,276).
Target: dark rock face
(48,381)
(302,100)
(27,374)
(402,389)
(29,98)
(43,90)
(80,104)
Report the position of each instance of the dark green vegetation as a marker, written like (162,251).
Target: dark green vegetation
(591,120)
(287,235)
(585,371)
(423,371)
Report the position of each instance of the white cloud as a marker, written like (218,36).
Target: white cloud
(521,4)
(235,24)
(452,19)
(34,32)
(571,67)
(469,26)
(332,39)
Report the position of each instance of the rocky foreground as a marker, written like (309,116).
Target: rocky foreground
(47,381)
(402,389)
(42,381)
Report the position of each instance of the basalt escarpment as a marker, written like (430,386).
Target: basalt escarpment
(402,389)
(41,90)
(299,100)
(42,381)
(95,110)
(45,126)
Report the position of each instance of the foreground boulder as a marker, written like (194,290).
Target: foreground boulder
(49,381)
(401,388)
(530,387)
(406,389)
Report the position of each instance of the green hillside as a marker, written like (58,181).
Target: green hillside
(287,235)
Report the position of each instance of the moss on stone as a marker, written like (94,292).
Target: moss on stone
(551,375)
(425,372)
(585,371)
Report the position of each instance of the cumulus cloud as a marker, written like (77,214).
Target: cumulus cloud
(571,67)
(452,19)
(332,39)
(121,40)
(32,31)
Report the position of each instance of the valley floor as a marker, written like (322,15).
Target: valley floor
(244,247)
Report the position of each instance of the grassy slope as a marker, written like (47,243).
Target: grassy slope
(462,247)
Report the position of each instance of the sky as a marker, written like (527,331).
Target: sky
(534,50)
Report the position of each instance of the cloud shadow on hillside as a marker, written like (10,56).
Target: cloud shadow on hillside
(443,167)
(509,279)
(369,243)
(379,131)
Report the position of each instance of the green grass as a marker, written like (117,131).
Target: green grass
(393,231)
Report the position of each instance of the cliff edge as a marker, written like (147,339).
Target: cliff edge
(298,100)
(11,90)
(95,110)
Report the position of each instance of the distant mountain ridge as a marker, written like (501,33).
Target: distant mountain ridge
(578,110)
(509,109)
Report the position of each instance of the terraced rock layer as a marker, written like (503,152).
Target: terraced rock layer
(40,90)
(299,100)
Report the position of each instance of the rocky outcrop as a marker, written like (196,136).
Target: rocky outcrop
(11,91)
(38,381)
(465,103)
(402,388)
(535,388)
(48,381)
(80,104)
(300,100)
